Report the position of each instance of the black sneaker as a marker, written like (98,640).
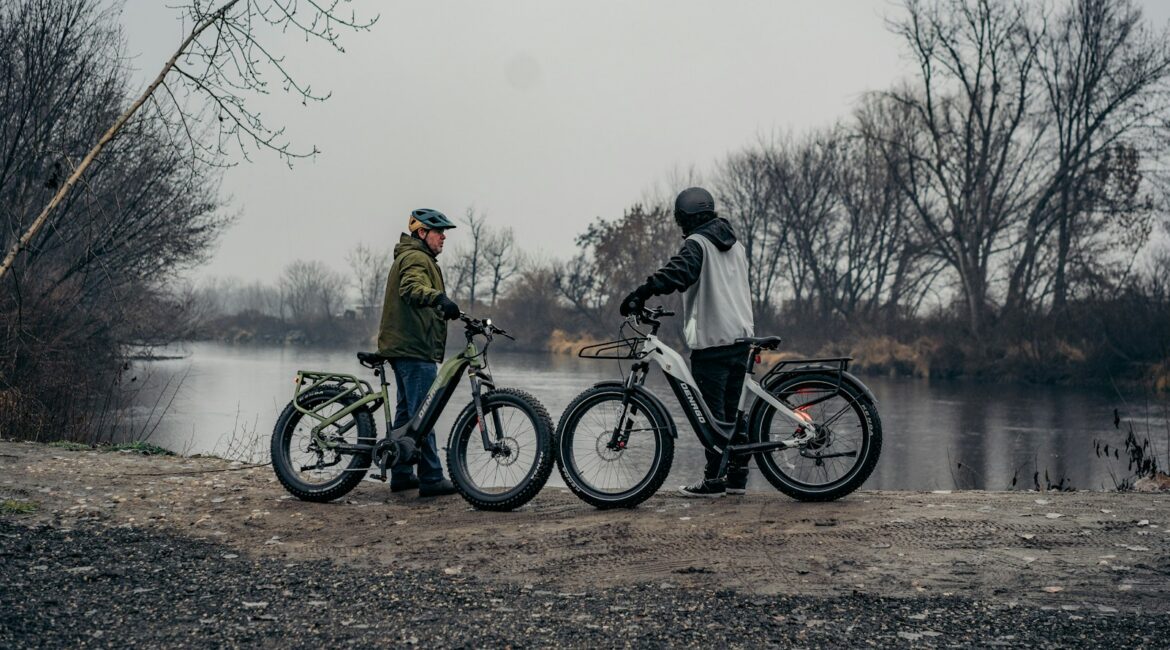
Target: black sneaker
(737,483)
(403,484)
(436,489)
(705,489)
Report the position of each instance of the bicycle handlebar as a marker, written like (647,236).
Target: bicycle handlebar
(482,326)
(650,316)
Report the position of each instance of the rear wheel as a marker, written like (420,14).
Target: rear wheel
(517,467)
(839,458)
(612,456)
(310,470)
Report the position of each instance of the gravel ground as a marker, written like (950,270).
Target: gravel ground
(95,585)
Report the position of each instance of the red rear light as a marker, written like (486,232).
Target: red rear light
(758,359)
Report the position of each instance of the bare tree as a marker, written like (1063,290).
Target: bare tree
(1101,70)
(258,298)
(369,270)
(576,282)
(888,266)
(223,59)
(747,194)
(465,261)
(312,292)
(95,281)
(804,174)
(966,165)
(501,259)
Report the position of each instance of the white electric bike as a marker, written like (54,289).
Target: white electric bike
(812,426)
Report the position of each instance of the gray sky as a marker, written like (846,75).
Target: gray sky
(543,114)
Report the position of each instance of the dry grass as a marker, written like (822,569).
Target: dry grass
(560,342)
(1160,377)
(884,355)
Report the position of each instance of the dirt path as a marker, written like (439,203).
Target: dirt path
(1092,552)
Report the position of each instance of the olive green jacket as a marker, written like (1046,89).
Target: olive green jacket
(411,326)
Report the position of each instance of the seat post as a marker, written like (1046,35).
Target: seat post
(755,354)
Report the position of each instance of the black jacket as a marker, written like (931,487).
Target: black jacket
(683,269)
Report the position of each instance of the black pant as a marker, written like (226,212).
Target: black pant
(719,372)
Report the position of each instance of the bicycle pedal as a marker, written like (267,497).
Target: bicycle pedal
(375,476)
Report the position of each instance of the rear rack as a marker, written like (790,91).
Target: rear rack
(833,365)
(827,363)
(620,349)
(836,365)
(308,380)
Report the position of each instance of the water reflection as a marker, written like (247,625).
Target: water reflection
(937,435)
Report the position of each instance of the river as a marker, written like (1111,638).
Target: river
(937,435)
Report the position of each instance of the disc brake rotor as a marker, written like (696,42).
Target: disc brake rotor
(604,452)
(509,454)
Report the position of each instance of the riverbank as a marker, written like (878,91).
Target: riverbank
(208,540)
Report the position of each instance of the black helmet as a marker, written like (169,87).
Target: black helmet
(429,219)
(694,200)
(693,207)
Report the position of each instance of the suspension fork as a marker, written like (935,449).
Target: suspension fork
(479,379)
(625,424)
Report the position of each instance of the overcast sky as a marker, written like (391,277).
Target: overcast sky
(545,114)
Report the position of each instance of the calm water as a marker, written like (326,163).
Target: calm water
(224,400)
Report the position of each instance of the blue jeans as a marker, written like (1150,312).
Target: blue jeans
(413,378)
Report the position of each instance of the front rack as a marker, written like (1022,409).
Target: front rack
(619,349)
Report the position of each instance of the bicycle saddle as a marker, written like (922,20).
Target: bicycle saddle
(371,359)
(765,342)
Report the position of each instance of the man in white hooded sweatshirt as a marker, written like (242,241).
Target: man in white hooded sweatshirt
(711,271)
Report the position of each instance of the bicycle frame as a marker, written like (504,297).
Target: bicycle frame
(713,432)
(471,360)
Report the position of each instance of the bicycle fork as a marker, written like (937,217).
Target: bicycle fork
(625,424)
(494,445)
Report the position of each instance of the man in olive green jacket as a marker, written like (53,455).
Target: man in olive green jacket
(412,336)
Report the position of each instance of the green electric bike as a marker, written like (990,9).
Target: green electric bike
(499,453)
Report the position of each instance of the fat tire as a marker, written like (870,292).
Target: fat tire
(281,438)
(861,471)
(566,430)
(465,426)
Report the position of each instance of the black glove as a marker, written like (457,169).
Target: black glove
(447,307)
(634,302)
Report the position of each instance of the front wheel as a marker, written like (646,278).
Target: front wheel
(614,452)
(839,458)
(519,460)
